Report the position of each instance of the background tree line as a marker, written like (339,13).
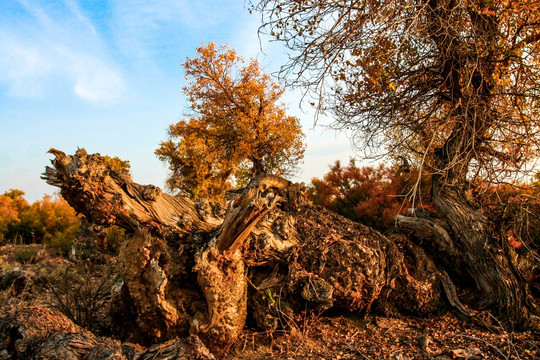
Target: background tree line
(371,195)
(50,221)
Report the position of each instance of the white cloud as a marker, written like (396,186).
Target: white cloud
(51,51)
(98,84)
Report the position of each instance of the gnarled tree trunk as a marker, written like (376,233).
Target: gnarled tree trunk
(485,257)
(475,250)
(189,270)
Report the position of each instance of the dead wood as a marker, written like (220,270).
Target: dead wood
(451,294)
(106,197)
(429,231)
(186,269)
(44,334)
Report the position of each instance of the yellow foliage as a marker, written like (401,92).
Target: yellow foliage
(236,129)
(50,220)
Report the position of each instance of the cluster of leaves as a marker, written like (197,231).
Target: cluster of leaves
(50,220)
(370,195)
(236,130)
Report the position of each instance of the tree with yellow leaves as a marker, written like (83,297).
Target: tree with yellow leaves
(236,129)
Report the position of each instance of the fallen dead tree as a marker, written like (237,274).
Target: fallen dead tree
(190,268)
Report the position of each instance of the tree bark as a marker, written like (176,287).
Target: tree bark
(186,269)
(108,197)
(471,95)
(476,250)
(485,258)
(43,334)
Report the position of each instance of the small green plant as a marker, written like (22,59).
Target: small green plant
(25,254)
(115,238)
(63,240)
(281,309)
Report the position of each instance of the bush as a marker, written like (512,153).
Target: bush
(83,293)
(63,241)
(115,238)
(370,195)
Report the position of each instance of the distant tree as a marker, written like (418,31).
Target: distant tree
(12,206)
(118,164)
(50,220)
(17,197)
(236,128)
(452,85)
(9,214)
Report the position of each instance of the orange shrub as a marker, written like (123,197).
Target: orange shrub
(369,195)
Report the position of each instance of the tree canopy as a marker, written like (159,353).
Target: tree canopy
(453,84)
(236,128)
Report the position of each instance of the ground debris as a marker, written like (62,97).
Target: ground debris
(333,335)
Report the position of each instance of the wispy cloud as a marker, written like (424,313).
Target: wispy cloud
(48,50)
(78,14)
(24,68)
(144,29)
(97,83)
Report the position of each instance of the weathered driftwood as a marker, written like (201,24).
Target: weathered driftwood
(110,197)
(189,270)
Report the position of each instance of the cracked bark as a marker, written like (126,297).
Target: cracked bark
(188,270)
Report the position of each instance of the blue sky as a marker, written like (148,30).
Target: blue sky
(105,75)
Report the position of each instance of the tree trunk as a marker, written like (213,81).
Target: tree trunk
(485,257)
(468,79)
(475,250)
(186,269)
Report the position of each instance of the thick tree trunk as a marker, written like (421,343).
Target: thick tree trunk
(485,258)
(475,250)
(467,86)
(186,269)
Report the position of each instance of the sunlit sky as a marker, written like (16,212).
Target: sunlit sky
(105,75)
